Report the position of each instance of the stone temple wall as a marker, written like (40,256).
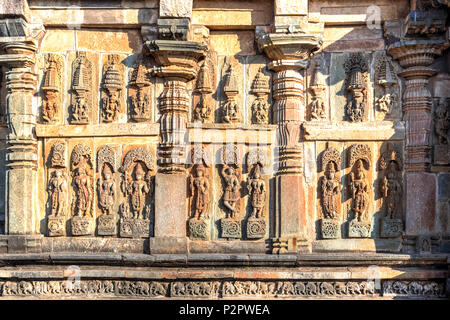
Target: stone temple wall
(212,149)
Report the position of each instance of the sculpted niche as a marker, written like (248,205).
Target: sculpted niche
(199,194)
(82,210)
(359,186)
(330,188)
(356,87)
(137,187)
(57,191)
(81,98)
(106,189)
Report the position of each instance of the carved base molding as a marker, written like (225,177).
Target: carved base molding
(359,229)
(81,226)
(81,289)
(198,229)
(106,225)
(134,228)
(256,228)
(56,226)
(391,228)
(329,229)
(230,228)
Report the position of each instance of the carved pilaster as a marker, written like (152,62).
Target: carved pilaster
(178,65)
(289,54)
(19,59)
(416,57)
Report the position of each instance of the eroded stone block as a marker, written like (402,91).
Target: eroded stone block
(256,228)
(81,226)
(56,226)
(359,229)
(106,226)
(134,228)
(230,228)
(329,229)
(391,228)
(198,229)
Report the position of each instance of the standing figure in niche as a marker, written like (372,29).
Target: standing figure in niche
(330,190)
(138,189)
(257,190)
(392,191)
(200,190)
(231,194)
(57,188)
(83,192)
(106,190)
(360,191)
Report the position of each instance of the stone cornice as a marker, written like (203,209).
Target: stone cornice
(291,46)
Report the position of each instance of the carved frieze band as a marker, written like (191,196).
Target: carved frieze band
(221,289)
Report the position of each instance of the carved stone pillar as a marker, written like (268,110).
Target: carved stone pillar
(21,179)
(178,64)
(416,53)
(289,54)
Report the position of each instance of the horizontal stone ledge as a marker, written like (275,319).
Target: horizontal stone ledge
(97,130)
(347,131)
(193,274)
(217,260)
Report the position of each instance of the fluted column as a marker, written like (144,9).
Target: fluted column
(21,159)
(289,54)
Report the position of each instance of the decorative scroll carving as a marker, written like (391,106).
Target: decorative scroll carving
(106,188)
(442,131)
(137,187)
(387,97)
(359,186)
(260,107)
(231,174)
(51,104)
(140,96)
(81,167)
(391,190)
(317,108)
(330,193)
(81,106)
(204,87)
(230,109)
(58,155)
(112,88)
(356,87)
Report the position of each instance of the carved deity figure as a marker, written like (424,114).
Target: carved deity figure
(356,106)
(82,191)
(57,187)
(138,190)
(49,106)
(199,187)
(392,192)
(257,190)
(260,112)
(230,112)
(330,191)
(140,105)
(386,102)
(317,109)
(231,194)
(360,191)
(106,190)
(80,109)
(442,124)
(110,106)
(202,110)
